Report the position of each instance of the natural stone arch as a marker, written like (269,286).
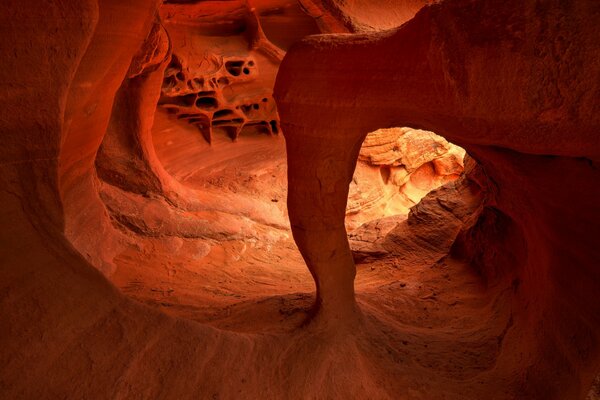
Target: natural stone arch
(436,73)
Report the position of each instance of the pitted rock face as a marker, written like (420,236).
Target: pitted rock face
(203,94)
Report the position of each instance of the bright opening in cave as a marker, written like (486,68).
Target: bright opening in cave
(396,168)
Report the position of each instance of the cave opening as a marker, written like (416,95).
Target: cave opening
(220,262)
(410,163)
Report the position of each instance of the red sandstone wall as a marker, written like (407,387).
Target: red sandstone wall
(512,83)
(517,89)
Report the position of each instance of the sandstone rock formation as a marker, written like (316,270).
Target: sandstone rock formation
(127,162)
(198,96)
(360,15)
(430,230)
(507,89)
(488,289)
(396,168)
(206,83)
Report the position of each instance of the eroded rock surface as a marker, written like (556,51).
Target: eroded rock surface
(198,95)
(513,82)
(213,80)
(221,83)
(339,16)
(533,129)
(429,231)
(396,168)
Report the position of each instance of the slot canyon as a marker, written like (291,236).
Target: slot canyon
(300,199)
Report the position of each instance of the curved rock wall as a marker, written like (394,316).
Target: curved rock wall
(512,83)
(209,65)
(339,16)
(87,113)
(66,332)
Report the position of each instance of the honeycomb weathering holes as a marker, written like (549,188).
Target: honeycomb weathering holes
(212,92)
